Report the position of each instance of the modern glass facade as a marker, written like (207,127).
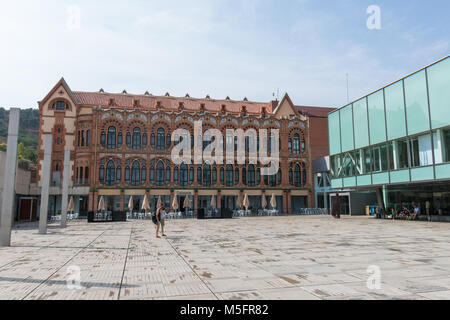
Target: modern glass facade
(399,134)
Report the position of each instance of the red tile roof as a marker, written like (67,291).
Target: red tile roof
(318,112)
(170,103)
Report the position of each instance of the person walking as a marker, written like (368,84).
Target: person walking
(336,211)
(157,220)
(162,220)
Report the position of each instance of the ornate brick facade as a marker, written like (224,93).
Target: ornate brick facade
(121,146)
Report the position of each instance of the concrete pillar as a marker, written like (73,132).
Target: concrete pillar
(195,203)
(65,189)
(289,206)
(380,198)
(9,183)
(122,200)
(219,200)
(48,144)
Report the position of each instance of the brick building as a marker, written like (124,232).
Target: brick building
(121,145)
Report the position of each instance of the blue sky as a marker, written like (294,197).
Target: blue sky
(246,48)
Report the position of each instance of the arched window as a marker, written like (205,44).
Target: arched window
(135,174)
(88,138)
(244,176)
(214,176)
(222,176)
(183,175)
(119,175)
(168,141)
(119,140)
(236,176)
(103,139)
(110,174)
(175,175)
(168,175)
(111,137)
(280,177)
(101,174)
(152,141)
(273,180)
(297,176)
(86,175)
(60,106)
(304,181)
(290,145)
(207,175)
(160,174)
(161,135)
(152,175)
(296,144)
(136,138)
(258,177)
(191,176)
(128,140)
(230,179)
(251,175)
(199,176)
(144,141)
(144,175)
(303,146)
(127,175)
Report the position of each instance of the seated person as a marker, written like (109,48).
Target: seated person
(404,213)
(416,212)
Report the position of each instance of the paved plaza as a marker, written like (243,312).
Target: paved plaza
(249,258)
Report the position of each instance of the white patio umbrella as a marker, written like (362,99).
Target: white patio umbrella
(213,202)
(146,204)
(70,207)
(187,203)
(273,202)
(101,204)
(246,203)
(159,203)
(175,203)
(239,201)
(130,204)
(264,202)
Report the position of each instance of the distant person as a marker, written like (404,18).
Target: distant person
(162,220)
(157,220)
(336,211)
(405,213)
(416,212)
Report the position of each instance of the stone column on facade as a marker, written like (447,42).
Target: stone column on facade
(172,197)
(285,202)
(122,200)
(65,189)
(9,182)
(289,202)
(45,189)
(95,202)
(196,203)
(91,201)
(219,200)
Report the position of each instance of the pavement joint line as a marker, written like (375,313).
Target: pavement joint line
(23,256)
(67,262)
(190,267)
(125,263)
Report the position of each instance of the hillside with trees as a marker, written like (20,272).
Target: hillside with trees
(28,133)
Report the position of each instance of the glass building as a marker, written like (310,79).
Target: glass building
(396,141)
